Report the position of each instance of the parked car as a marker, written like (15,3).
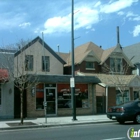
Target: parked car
(126,112)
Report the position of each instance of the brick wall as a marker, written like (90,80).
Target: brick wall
(31,106)
(32,112)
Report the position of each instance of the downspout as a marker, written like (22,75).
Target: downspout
(106,98)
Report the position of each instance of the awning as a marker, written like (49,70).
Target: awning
(4,76)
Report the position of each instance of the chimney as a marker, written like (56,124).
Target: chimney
(118,37)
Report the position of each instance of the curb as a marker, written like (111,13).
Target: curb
(52,125)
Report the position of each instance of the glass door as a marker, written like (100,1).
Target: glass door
(50,94)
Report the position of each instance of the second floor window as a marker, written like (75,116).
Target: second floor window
(45,63)
(115,64)
(90,65)
(28,62)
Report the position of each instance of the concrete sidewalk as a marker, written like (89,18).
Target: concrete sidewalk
(52,121)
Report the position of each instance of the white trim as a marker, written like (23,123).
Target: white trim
(102,84)
(54,101)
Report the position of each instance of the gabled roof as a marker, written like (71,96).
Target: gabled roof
(64,56)
(106,54)
(82,51)
(45,45)
(133,51)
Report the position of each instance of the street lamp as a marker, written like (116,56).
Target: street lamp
(72,80)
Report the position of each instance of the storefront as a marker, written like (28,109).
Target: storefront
(57,96)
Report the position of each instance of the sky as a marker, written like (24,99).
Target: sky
(94,21)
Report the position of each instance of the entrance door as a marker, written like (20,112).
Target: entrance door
(50,98)
(100,104)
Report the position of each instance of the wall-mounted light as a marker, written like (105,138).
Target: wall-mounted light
(33,91)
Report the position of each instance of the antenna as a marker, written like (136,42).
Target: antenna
(58,47)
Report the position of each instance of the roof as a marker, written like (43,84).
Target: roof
(112,80)
(133,52)
(82,51)
(106,54)
(64,56)
(45,45)
(4,76)
(64,79)
(7,51)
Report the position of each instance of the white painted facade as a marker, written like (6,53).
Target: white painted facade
(37,50)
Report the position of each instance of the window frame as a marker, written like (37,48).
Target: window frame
(117,65)
(119,99)
(90,68)
(47,68)
(29,62)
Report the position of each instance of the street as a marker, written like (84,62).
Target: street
(106,131)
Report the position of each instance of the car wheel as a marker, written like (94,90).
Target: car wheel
(137,118)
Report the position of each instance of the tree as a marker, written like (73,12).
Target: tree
(118,75)
(18,70)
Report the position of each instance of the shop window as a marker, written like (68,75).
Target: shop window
(28,62)
(122,98)
(64,96)
(39,96)
(45,63)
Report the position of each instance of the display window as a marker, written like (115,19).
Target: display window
(64,95)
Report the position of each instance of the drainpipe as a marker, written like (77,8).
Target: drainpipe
(106,98)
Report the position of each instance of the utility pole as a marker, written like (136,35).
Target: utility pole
(45,102)
(72,80)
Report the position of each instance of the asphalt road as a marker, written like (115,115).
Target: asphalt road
(106,131)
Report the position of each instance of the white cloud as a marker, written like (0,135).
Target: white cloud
(58,24)
(10,20)
(25,24)
(86,15)
(136,18)
(97,4)
(136,31)
(84,18)
(120,13)
(130,14)
(116,6)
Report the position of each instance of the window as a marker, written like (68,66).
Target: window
(89,65)
(136,95)
(45,63)
(116,64)
(64,96)
(28,62)
(0,94)
(122,98)
(39,96)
